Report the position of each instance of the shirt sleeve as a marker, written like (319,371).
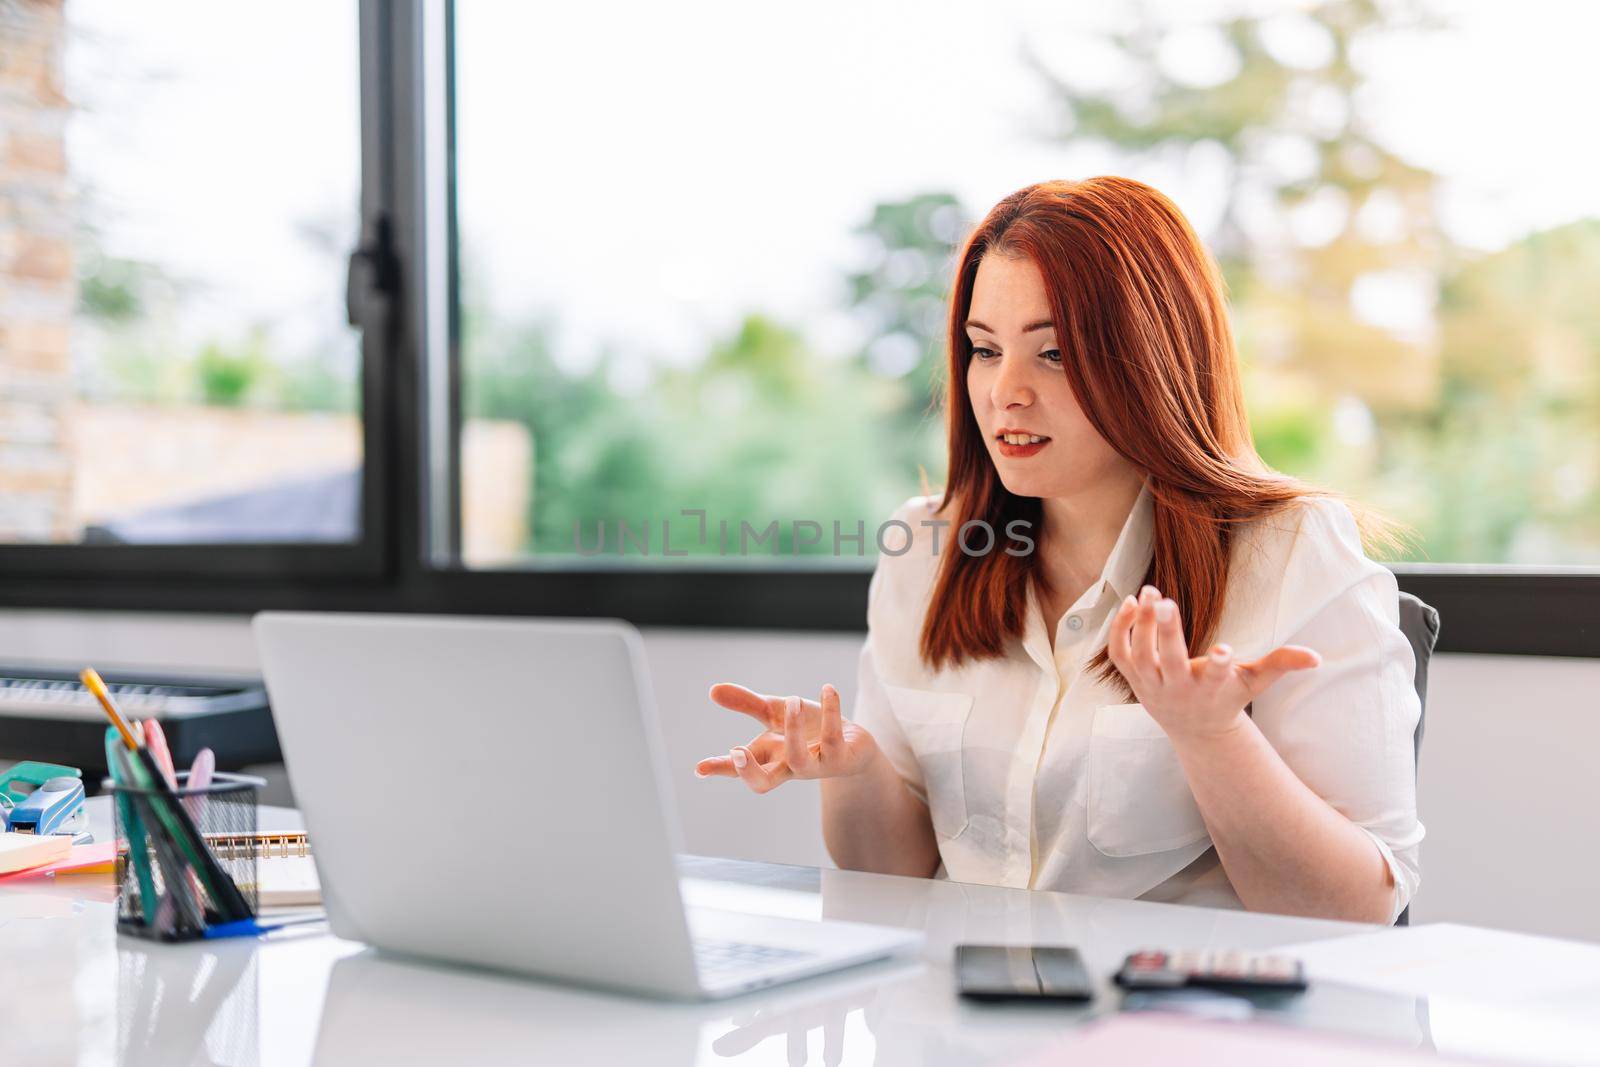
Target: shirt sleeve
(872,710)
(1347,727)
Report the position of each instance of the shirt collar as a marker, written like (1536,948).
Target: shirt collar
(1122,574)
(1130,557)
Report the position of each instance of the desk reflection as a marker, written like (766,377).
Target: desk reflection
(183,1006)
(383,1009)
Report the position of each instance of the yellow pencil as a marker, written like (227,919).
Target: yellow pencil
(92,682)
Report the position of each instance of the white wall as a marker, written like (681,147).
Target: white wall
(1508,776)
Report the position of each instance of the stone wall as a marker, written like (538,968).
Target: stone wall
(38,289)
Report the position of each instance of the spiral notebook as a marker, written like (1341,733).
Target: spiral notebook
(286,874)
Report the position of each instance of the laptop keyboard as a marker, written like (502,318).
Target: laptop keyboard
(714,956)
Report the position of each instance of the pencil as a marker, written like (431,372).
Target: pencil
(95,684)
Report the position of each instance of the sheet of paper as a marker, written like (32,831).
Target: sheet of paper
(21,851)
(99,858)
(1448,960)
(1543,1032)
(287,881)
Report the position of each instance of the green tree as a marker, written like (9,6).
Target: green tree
(1520,368)
(572,418)
(901,294)
(1323,231)
(228,376)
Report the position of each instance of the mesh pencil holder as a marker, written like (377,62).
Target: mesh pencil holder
(151,901)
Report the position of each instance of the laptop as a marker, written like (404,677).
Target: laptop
(492,792)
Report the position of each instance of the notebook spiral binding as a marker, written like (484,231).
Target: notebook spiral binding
(261,845)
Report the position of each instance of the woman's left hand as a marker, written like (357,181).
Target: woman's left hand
(1190,698)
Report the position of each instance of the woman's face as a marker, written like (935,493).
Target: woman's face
(1038,437)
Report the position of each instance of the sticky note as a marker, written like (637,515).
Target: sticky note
(18,852)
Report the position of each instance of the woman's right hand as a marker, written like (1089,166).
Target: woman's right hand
(801,739)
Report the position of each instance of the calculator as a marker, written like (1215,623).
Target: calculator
(1221,969)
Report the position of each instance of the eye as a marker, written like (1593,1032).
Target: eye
(985,354)
(1052,354)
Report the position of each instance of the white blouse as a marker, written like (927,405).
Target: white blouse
(1037,775)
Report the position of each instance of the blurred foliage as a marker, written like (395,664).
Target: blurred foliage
(1471,412)
(227,376)
(111,290)
(135,364)
(135,351)
(1456,391)
(760,430)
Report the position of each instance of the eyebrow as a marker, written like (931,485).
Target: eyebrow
(1042,324)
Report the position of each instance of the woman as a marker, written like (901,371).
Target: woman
(1178,677)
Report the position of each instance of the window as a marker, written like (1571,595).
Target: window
(653,319)
(178,368)
(701,303)
(704,274)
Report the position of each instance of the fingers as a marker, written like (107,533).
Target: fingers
(830,748)
(759,778)
(715,767)
(1283,660)
(767,748)
(1259,674)
(801,760)
(1298,657)
(1119,642)
(1172,647)
(768,710)
(1218,664)
(738,698)
(785,750)
(1145,658)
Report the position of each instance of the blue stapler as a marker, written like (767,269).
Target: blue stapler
(55,807)
(23,778)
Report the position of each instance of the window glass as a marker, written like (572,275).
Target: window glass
(180,185)
(703,256)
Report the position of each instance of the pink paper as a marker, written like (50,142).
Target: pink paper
(78,857)
(1134,1040)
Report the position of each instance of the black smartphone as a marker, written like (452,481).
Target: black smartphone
(1004,972)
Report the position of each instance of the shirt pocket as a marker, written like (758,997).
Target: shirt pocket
(1139,799)
(935,725)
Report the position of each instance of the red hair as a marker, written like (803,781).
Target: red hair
(1143,327)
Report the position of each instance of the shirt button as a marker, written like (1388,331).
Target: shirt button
(1074,622)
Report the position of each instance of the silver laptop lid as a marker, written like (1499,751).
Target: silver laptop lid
(484,791)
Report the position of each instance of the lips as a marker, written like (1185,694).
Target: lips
(1015,443)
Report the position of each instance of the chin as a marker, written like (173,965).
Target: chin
(1018,483)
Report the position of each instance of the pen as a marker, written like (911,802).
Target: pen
(171,817)
(138,849)
(255,927)
(155,739)
(177,892)
(199,780)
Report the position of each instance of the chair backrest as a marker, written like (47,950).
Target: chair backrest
(1420,623)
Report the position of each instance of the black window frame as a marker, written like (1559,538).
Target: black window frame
(403,293)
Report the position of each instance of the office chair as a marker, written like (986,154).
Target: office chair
(1420,623)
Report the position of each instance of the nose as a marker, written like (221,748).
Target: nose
(1009,390)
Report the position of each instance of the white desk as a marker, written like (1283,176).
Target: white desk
(78,994)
